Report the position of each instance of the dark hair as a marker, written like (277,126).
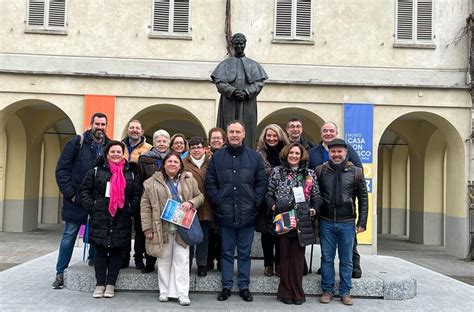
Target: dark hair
(179,135)
(294,119)
(216,129)
(235,121)
(113,143)
(135,121)
(98,115)
(238,36)
(196,141)
(162,167)
(286,151)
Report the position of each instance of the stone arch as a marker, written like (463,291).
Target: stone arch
(433,168)
(35,132)
(170,117)
(312,123)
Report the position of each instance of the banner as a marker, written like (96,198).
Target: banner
(358,133)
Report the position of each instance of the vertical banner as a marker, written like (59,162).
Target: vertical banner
(358,131)
(100,103)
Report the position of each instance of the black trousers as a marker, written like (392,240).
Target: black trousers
(270,243)
(214,247)
(107,265)
(139,247)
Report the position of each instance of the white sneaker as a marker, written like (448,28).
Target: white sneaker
(98,292)
(109,291)
(163,298)
(184,300)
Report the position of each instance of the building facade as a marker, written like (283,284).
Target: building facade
(151,60)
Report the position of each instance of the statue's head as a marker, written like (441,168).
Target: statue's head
(238,43)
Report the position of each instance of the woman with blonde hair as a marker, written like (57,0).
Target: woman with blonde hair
(270,143)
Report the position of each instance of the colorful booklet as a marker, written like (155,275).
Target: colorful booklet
(175,213)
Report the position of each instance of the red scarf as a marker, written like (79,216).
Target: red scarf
(117,187)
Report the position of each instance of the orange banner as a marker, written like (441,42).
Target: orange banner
(103,104)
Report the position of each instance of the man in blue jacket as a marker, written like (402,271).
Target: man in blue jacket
(79,155)
(319,155)
(236,184)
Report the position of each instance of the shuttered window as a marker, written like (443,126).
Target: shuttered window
(171,17)
(293,19)
(46,14)
(414,21)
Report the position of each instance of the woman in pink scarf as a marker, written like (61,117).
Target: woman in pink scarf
(111,194)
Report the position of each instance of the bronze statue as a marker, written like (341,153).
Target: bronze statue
(239,80)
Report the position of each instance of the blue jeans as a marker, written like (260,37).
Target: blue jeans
(341,236)
(66,246)
(241,238)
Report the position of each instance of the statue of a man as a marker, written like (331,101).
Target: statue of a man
(239,80)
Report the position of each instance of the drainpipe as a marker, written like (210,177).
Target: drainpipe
(470,24)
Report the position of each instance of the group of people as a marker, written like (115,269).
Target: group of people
(235,190)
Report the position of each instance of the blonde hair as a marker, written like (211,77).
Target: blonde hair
(282,136)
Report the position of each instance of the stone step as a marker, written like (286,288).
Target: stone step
(383,284)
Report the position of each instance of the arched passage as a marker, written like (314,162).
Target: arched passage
(35,132)
(421,168)
(311,122)
(172,118)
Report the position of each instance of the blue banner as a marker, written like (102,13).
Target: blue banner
(358,128)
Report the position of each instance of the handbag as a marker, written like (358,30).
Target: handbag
(285,222)
(193,235)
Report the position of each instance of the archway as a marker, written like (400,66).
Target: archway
(35,132)
(172,118)
(421,168)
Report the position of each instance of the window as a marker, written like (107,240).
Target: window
(170,18)
(47,15)
(293,19)
(414,22)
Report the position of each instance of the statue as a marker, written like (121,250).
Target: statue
(239,80)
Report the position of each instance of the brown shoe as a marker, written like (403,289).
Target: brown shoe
(326,297)
(346,299)
(268,271)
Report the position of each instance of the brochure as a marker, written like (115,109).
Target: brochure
(175,213)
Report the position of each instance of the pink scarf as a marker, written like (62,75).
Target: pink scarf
(117,187)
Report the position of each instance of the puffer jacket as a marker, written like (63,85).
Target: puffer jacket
(139,149)
(155,195)
(105,230)
(79,155)
(205,212)
(280,194)
(351,189)
(236,184)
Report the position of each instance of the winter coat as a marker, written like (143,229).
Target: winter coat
(316,156)
(139,149)
(307,144)
(280,194)
(155,195)
(105,230)
(79,155)
(351,189)
(205,212)
(236,184)
(148,164)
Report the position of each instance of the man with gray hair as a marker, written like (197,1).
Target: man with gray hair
(239,80)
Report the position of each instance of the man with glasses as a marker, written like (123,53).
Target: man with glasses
(319,155)
(294,128)
(196,163)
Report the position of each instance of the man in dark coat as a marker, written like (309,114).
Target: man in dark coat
(341,184)
(239,80)
(236,185)
(320,154)
(294,129)
(79,155)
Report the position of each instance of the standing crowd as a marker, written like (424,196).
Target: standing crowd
(289,190)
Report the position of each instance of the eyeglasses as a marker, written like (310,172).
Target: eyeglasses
(195,148)
(216,139)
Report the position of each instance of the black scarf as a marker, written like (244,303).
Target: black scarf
(336,194)
(273,155)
